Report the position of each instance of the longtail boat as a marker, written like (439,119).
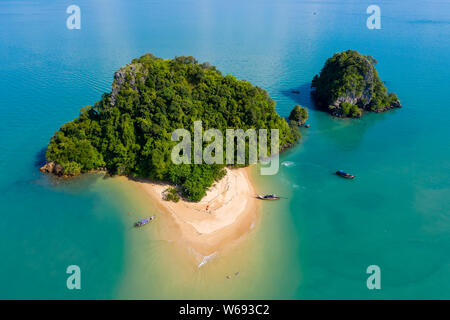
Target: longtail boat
(344,174)
(268,197)
(143,222)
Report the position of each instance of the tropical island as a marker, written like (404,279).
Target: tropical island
(128,132)
(349,84)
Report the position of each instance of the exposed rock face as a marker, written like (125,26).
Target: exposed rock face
(363,98)
(126,78)
(349,84)
(52,167)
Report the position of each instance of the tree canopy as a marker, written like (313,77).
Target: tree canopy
(128,131)
(298,115)
(349,83)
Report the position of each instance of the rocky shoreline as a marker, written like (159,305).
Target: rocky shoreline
(56,169)
(52,168)
(338,112)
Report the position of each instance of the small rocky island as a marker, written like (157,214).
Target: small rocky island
(298,116)
(349,84)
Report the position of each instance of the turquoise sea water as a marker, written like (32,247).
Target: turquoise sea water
(316,244)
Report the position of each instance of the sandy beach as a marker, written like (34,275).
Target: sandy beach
(227,213)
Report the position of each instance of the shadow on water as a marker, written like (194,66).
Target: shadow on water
(39,159)
(301,95)
(72,185)
(346,132)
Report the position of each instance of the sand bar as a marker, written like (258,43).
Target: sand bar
(227,213)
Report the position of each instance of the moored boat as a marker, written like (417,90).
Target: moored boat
(344,174)
(268,197)
(143,222)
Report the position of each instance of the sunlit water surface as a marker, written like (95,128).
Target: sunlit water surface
(315,244)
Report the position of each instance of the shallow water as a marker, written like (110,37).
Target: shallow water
(316,244)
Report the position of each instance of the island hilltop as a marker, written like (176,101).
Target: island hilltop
(349,84)
(128,132)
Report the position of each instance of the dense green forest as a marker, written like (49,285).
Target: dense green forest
(128,132)
(349,83)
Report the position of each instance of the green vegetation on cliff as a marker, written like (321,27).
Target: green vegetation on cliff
(298,116)
(349,84)
(128,132)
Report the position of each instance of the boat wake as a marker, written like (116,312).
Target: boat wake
(206,259)
(288,164)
